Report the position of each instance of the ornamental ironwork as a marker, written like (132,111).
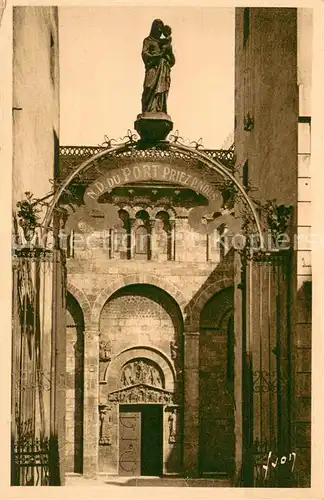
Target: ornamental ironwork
(31,461)
(173,151)
(226,156)
(264,381)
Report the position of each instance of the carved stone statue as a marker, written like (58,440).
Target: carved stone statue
(172,426)
(158,58)
(105,424)
(154,124)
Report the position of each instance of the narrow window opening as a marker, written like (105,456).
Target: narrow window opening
(246,174)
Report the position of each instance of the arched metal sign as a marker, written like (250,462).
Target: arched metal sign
(117,176)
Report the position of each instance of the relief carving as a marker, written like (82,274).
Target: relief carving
(105,425)
(172,420)
(104,358)
(140,372)
(174,349)
(141,394)
(104,350)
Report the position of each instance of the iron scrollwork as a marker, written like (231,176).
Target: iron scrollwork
(30,457)
(264,381)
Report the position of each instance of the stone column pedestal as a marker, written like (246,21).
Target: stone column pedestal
(191,404)
(91,401)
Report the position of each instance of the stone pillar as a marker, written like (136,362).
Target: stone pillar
(191,404)
(173,239)
(91,402)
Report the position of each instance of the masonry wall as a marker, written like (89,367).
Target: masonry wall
(35,156)
(266,90)
(141,302)
(35,100)
(303,353)
(273,88)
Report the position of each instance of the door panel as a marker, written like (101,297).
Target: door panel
(129,443)
(152,440)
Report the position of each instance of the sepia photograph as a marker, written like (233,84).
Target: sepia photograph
(161,246)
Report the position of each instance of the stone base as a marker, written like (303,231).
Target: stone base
(153,127)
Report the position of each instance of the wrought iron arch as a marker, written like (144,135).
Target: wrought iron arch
(131,148)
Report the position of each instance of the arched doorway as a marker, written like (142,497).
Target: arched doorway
(216,369)
(141,383)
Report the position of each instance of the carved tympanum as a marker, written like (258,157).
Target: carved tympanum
(141,372)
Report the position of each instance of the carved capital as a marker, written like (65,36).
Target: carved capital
(91,334)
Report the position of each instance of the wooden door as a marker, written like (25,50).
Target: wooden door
(129,443)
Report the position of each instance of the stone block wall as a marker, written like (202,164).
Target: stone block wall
(135,303)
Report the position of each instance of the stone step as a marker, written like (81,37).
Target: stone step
(166,481)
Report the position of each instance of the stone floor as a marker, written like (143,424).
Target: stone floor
(101,480)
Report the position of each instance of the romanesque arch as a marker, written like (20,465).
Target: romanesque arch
(135,279)
(82,299)
(205,295)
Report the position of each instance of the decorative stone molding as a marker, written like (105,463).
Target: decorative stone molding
(82,300)
(204,297)
(133,279)
(141,393)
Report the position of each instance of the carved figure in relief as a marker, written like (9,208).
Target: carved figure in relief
(127,376)
(174,349)
(105,423)
(172,426)
(139,372)
(104,350)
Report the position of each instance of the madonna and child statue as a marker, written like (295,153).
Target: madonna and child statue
(154,124)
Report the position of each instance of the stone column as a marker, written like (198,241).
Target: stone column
(191,404)
(91,402)
(173,239)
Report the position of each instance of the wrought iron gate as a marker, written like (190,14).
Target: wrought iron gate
(38,302)
(267,400)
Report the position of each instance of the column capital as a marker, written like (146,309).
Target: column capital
(91,333)
(191,333)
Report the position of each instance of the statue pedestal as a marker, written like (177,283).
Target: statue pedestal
(153,127)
